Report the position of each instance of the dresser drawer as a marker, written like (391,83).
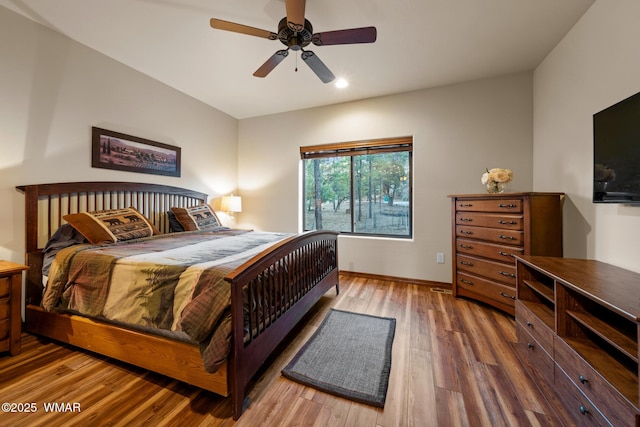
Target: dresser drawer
(4,329)
(4,308)
(498,271)
(508,237)
(5,283)
(535,326)
(581,409)
(617,409)
(533,356)
(489,205)
(488,250)
(493,220)
(498,292)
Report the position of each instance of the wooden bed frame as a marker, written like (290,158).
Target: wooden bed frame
(302,268)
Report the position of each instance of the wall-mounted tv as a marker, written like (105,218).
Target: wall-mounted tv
(616,153)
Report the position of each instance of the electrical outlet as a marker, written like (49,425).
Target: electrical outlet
(440,258)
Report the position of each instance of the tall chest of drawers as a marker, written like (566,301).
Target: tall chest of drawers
(489,230)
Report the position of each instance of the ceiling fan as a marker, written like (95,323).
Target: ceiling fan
(296,33)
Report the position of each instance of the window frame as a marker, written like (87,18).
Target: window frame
(354,148)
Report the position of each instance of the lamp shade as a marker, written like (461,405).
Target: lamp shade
(231,204)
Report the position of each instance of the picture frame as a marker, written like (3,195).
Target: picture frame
(118,151)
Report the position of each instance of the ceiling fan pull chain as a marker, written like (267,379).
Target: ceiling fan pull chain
(296,63)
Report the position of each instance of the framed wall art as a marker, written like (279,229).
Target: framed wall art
(114,150)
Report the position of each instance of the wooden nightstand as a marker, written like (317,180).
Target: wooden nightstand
(10,305)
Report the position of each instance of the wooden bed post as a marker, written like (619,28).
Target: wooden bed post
(31,217)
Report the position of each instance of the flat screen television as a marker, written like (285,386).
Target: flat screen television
(616,154)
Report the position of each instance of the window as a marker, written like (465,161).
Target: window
(359,187)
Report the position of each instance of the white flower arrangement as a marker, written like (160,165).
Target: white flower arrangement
(497,175)
(493,177)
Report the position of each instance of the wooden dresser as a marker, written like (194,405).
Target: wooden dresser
(10,305)
(489,230)
(577,323)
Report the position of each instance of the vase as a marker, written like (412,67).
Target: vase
(600,186)
(496,187)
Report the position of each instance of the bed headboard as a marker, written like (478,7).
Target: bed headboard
(46,204)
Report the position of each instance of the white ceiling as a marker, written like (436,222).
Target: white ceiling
(421,44)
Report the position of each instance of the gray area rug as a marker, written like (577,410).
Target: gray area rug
(348,356)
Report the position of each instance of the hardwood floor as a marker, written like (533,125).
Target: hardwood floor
(452,365)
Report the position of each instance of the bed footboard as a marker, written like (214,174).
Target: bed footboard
(270,294)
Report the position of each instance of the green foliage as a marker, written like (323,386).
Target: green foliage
(379,179)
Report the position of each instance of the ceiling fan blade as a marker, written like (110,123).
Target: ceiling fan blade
(219,24)
(271,63)
(353,35)
(295,14)
(318,67)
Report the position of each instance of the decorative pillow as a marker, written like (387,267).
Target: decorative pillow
(111,225)
(174,224)
(64,237)
(200,217)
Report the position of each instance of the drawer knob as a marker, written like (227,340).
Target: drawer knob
(463,246)
(504,253)
(529,324)
(529,345)
(507,295)
(470,264)
(583,379)
(466,219)
(583,410)
(507,222)
(466,205)
(504,205)
(466,282)
(504,273)
(466,232)
(502,236)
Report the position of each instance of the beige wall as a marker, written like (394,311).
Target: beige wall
(54,90)
(596,65)
(458,131)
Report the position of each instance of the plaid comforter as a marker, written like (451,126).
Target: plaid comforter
(171,282)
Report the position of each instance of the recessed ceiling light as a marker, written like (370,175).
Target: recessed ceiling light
(342,83)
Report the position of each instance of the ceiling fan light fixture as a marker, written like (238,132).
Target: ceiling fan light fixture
(342,83)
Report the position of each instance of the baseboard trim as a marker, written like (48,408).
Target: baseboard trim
(405,280)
